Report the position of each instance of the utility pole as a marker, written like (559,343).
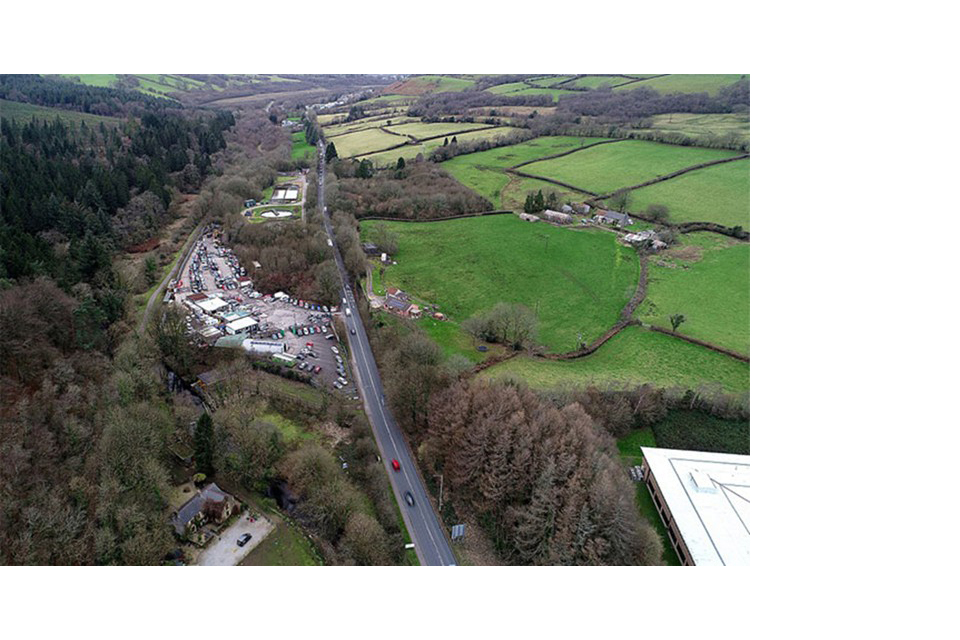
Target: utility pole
(440,501)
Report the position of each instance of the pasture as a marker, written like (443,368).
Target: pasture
(705,126)
(634,356)
(365,141)
(720,194)
(690,82)
(23,112)
(484,171)
(575,281)
(409,152)
(422,130)
(595,82)
(512,196)
(707,279)
(608,167)
(370,122)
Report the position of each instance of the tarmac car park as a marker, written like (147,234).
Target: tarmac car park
(212,277)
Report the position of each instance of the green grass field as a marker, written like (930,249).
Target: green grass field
(576,281)
(513,195)
(290,430)
(634,356)
(23,112)
(595,82)
(370,122)
(608,167)
(286,546)
(548,81)
(720,194)
(689,83)
(300,147)
(712,291)
(389,158)
(508,87)
(365,141)
(422,130)
(484,171)
(440,84)
(536,91)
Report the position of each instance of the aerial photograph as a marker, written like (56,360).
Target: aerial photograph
(367,319)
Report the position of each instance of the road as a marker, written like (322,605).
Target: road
(428,535)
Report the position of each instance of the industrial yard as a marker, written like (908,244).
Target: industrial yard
(225,311)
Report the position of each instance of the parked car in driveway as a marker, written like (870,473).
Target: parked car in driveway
(245,538)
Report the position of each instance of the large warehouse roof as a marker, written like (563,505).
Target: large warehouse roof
(241,324)
(708,495)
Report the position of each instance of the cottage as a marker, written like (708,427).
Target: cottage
(414,311)
(613,218)
(556,216)
(401,307)
(212,504)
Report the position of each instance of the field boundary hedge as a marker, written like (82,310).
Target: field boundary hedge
(675,174)
(565,153)
(702,343)
(456,217)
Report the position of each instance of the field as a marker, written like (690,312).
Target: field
(421,130)
(365,141)
(286,546)
(524,89)
(705,126)
(536,91)
(370,122)
(389,158)
(484,171)
(689,83)
(712,290)
(513,195)
(720,194)
(634,356)
(418,85)
(576,281)
(24,112)
(300,148)
(608,167)
(549,81)
(594,82)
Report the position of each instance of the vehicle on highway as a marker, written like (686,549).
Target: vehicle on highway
(245,538)
(408,497)
(396,464)
(353,331)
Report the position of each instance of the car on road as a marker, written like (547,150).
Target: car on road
(353,331)
(245,538)
(408,498)
(396,464)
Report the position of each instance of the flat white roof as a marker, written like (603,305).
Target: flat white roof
(210,305)
(708,495)
(242,323)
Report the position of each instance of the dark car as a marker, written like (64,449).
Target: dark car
(353,331)
(407,496)
(245,538)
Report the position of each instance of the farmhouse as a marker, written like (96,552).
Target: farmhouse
(212,504)
(704,501)
(398,306)
(613,218)
(556,216)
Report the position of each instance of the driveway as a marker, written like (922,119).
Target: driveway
(224,551)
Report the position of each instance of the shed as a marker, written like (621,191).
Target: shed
(556,216)
(212,305)
(242,325)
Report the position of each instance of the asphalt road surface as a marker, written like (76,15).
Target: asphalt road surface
(429,537)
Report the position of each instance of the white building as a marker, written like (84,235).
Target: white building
(242,325)
(556,216)
(212,305)
(263,346)
(704,501)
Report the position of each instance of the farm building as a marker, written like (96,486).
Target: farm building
(393,292)
(241,326)
(212,305)
(613,218)
(196,297)
(210,333)
(556,216)
(704,501)
(370,249)
(529,217)
(230,316)
(566,209)
(414,311)
(396,305)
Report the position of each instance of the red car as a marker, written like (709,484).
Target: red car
(396,464)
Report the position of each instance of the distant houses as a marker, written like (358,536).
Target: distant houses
(613,218)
